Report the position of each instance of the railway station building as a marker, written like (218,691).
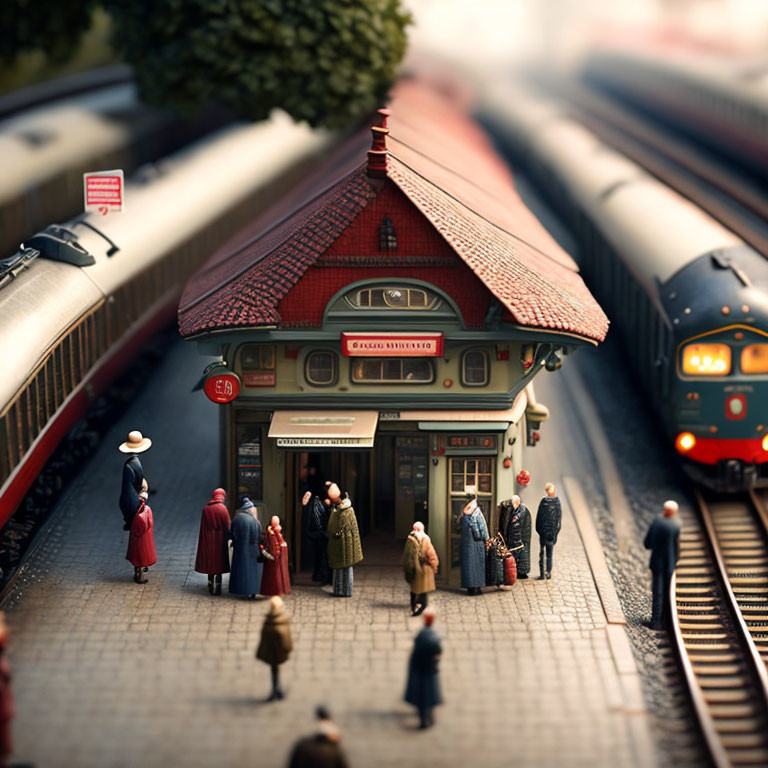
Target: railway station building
(382,327)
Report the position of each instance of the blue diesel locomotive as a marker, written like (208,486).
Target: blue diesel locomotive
(688,296)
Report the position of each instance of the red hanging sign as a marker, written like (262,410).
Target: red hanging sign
(222,388)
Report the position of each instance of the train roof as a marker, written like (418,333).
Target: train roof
(35,309)
(170,204)
(722,76)
(446,168)
(655,229)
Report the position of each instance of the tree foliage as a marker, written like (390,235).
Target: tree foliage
(324,61)
(53,26)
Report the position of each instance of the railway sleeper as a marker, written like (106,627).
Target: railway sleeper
(748,756)
(708,669)
(739,725)
(732,711)
(725,695)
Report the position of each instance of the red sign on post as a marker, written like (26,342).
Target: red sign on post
(222,388)
(392,344)
(103,192)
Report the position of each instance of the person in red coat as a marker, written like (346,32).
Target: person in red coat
(141,542)
(212,546)
(6,697)
(275,580)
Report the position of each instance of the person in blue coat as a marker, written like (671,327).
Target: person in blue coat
(663,539)
(247,558)
(474,538)
(423,688)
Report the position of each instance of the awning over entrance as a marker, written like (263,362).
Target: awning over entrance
(324,429)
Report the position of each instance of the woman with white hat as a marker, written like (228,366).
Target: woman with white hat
(133,476)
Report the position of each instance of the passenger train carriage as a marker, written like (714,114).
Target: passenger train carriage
(688,296)
(95,290)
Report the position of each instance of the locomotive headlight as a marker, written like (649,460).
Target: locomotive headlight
(710,359)
(765,443)
(685,441)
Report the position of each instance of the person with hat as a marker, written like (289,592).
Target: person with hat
(213,542)
(322,749)
(247,560)
(6,696)
(474,543)
(423,689)
(275,579)
(276,643)
(141,541)
(133,476)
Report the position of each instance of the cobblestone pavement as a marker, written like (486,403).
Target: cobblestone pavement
(109,673)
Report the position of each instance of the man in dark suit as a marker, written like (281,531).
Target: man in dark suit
(663,539)
(548,521)
(133,476)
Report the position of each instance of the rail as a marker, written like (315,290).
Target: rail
(726,674)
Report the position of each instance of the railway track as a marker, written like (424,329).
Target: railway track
(720,624)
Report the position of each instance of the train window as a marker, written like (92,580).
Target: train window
(320,368)
(710,359)
(257,357)
(474,368)
(754,358)
(392,370)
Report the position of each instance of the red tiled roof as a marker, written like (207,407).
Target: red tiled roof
(447,168)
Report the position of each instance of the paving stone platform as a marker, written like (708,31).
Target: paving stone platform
(110,673)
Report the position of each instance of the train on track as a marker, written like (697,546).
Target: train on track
(52,135)
(688,296)
(721,101)
(81,299)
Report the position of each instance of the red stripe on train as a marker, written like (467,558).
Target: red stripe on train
(710,450)
(72,410)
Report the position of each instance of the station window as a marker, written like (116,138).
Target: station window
(393,297)
(257,357)
(475,370)
(754,358)
(710,359)
(320,368)
(392,370)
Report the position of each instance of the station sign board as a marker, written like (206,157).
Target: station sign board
(392,344)
(103,192)
(324,442)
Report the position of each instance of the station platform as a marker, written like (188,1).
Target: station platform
(110,673)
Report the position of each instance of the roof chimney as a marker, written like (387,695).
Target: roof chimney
(377,155)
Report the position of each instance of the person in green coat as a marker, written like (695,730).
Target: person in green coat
(344,547)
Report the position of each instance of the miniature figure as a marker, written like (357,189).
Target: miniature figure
(6,697)
(548,520)
(474,540)
(247,560)
(420,565)
(423,689)
(515,527)
(212,545)
(276,643)
(141,541)
(663,539)
(316,516)
(275,579)
(133,476)
(321,750)
(344,547)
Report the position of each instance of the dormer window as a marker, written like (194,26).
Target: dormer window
(393,297)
